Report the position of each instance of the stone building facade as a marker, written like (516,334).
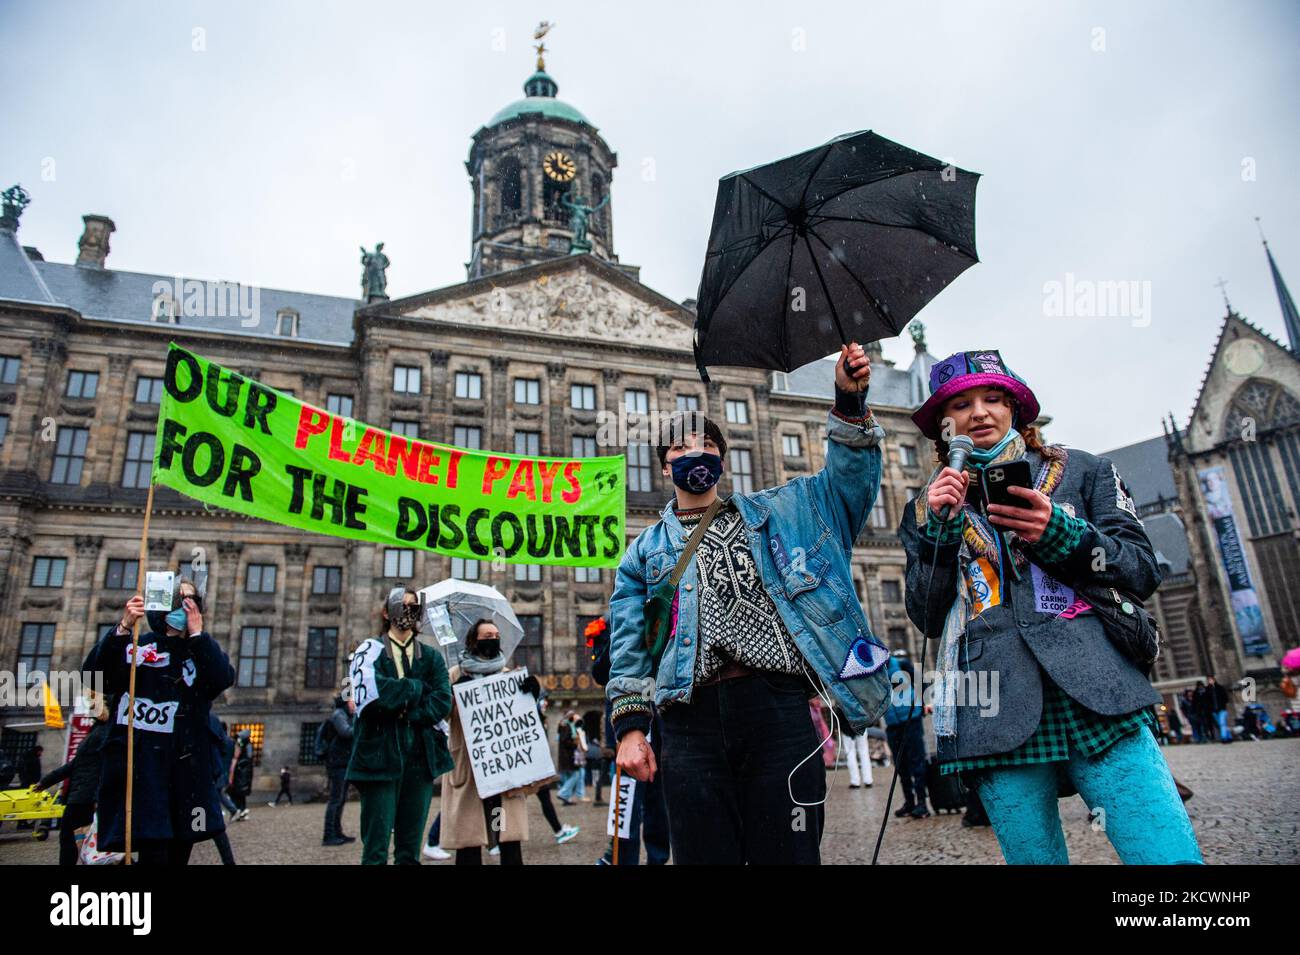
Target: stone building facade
(1237,469)
(1220,499)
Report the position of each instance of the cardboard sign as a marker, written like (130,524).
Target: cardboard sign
(503,733)
(622,798)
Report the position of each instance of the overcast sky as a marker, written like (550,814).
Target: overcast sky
(1127,141)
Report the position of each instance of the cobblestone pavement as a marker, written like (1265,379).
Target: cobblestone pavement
(1246,809)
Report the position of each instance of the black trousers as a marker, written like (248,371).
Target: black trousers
(911,770)
(512,853)
(338,782)
(548,810)
(732,760)
(164,852)
(222,841)
(75,815)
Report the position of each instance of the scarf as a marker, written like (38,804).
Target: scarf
(982,457)
(979,539)
(481,667)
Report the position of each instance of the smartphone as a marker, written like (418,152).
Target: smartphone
(999,477)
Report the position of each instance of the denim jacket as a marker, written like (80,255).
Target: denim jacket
(801,535)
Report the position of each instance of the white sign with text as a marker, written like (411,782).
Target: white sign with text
(503,733)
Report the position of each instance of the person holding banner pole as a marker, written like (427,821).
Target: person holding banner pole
(179,669)
(647,815)
(401,693)
(466,816)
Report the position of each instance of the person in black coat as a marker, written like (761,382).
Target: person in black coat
(1204,706)
(180,670)
(29,767)
(338,750)
(1217,700)
(223,750)
(241,774)
(82,771)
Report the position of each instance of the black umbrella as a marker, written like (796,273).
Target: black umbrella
(845,242)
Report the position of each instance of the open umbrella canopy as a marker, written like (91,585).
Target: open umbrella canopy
(842,243)
(467,602)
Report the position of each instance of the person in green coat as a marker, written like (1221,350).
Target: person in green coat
(402,694)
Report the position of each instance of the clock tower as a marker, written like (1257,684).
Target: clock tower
(541,176)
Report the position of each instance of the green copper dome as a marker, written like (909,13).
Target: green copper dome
(541,90)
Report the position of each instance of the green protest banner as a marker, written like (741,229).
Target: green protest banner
(230,441)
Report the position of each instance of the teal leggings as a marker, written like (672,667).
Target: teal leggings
(1130,784)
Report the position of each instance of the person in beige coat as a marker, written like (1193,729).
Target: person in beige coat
(465,816)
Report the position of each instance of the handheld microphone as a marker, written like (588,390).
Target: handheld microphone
(959,449)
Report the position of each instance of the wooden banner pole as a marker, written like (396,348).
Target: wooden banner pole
(135,647)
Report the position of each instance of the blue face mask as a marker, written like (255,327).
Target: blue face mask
(176,619)
(696,473)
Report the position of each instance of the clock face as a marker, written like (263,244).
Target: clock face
(1244,357)
(559,166)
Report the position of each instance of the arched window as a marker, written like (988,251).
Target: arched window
(597,194)
(286,323)
(164,309)
(1259,404)
(554,210)
(510,188)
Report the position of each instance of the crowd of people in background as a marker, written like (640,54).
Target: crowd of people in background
(406,739)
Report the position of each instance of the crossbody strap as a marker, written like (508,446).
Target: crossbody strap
(697,535)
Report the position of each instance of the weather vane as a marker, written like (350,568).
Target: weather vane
(543,28)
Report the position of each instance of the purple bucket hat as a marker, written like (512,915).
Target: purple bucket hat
(971,369)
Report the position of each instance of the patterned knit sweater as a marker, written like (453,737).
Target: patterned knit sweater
(738,623)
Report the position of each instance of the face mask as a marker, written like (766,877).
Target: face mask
(176,619)
(696,473)
(488,648)
(409,618)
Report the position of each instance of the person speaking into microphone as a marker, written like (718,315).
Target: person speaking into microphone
(1028,565)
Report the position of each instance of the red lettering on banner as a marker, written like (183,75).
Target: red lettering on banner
(372,449)
(453,462)
(523,481)
(547,473)
(336,442)
(408,452)
(429,460)
(571,475)
(310,422)
(496,469)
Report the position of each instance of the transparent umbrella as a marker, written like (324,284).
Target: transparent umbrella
(464,602)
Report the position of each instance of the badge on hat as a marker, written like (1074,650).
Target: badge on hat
(987,361)
(865,656)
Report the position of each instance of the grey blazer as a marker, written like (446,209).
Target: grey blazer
(1009,642)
